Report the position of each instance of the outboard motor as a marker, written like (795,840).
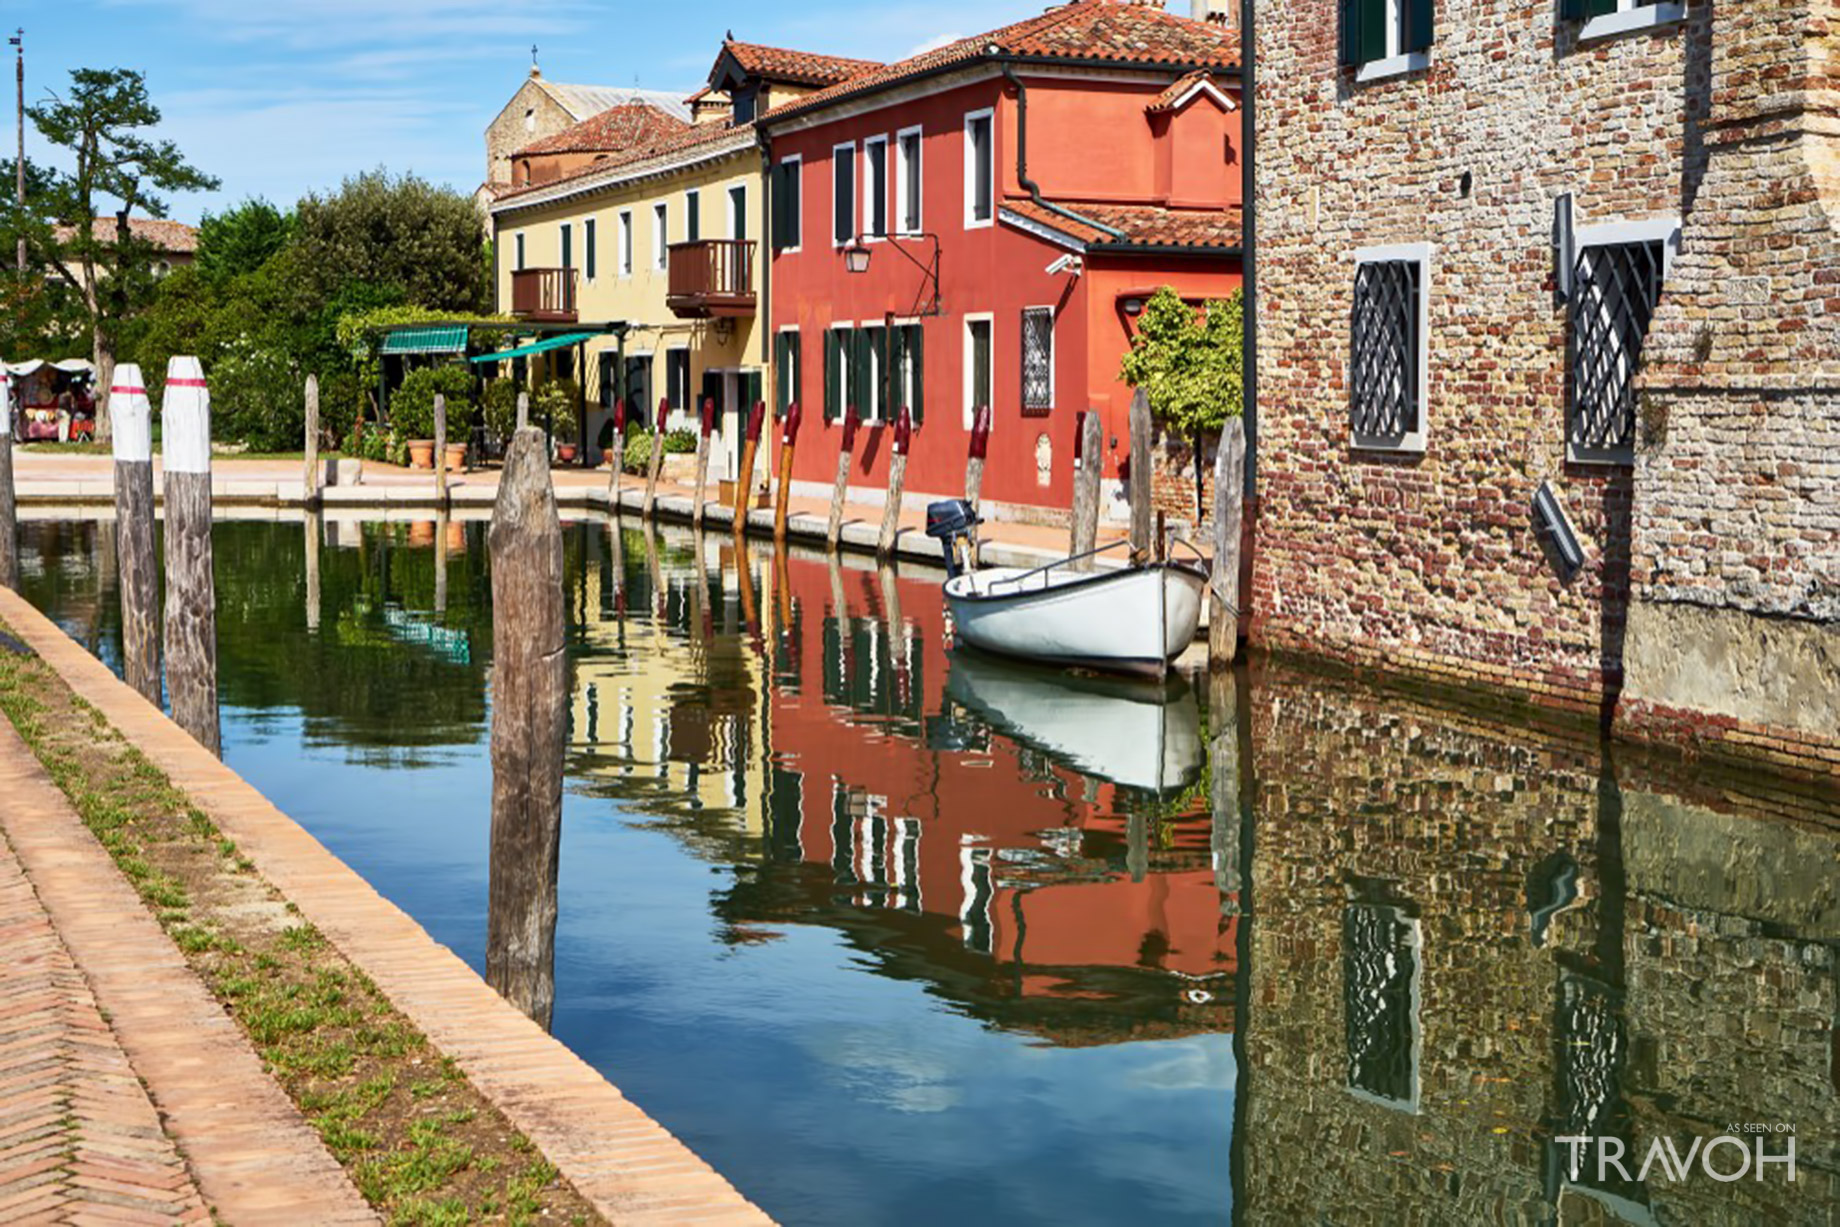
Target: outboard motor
(951,521)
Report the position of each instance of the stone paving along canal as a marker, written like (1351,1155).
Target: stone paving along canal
(890,933)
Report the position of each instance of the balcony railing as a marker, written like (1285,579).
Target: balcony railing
(713,277)
(544,294)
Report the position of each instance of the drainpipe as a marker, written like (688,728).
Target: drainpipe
(1022,157)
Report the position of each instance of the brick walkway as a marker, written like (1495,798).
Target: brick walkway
(114,1057)
(80,1142)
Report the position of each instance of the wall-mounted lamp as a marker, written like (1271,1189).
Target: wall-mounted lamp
(856,257)
(1133,306)
(856,260)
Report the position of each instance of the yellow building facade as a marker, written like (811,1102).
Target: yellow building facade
(659,254)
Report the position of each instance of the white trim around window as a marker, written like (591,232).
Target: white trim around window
(855,223)
(661,236)
(1663,230)
(735,195)
(1422,254)
(625,252)
(972,221)
(965,389)
(1631,16)
(1022,343)
(793,166)
(1393,66)
(904,170)
(866,208)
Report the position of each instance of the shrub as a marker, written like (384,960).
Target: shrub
(555,400)
(500,407)
(638,453)
(679,442)
(412,405)
(257,399)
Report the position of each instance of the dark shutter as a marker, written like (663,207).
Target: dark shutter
(1418,25)
(843,194)
(916,355)
(693,217)
(776,202)
(588,243)
(1584,10)
(1364,29)
(794,368)
(568,246)
(833,374)
(1351,33)
(863,391)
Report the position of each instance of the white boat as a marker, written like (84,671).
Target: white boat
(1130,620)
(1138,734)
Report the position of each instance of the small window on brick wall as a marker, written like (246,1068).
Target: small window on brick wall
(1616,288)
(1037,360)
(1383,33)
(1386,376)
(1603,18)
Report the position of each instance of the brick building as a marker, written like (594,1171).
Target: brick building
(1477,222)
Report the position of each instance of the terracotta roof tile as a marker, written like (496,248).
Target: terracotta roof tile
(1136,225)
(1167,100)
(167,236)
(1116,31)
(689,138)
(631,125)
(799,67)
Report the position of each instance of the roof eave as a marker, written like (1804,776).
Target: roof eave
(1184,250)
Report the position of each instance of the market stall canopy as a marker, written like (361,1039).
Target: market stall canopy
(538,347)
(433,339)
(70,366)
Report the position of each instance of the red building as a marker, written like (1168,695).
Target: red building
(1015,197)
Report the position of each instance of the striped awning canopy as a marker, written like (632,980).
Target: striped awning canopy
(537,347)
(426,339)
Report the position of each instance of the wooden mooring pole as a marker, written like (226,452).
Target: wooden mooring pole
(782,496)
(707,428)
(840,485)
(529,718)
(897,478)
(656,459)
(440,450)
(1142,479)
(1088,468)
(617,455)
(1223,583)
(139,578)
(310,470)
(314,519)
(980,448)
(191,597)
(9,511)
(744,476)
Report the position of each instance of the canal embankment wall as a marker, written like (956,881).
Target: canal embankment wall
(618,1158)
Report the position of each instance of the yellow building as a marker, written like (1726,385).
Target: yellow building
(645,229)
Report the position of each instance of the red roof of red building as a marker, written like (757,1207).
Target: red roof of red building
(1134,225)
(1114,31)
(1179,91)
(631,125)
(798,67)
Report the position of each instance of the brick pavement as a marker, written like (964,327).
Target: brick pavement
(251,1155)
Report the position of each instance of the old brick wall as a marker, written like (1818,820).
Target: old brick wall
(1429,563)
(1735,629)
(510,132)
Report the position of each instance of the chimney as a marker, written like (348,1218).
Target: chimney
(1220,12)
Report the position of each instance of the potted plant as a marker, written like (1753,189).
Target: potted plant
(555,402)
(499,406)
(412,410)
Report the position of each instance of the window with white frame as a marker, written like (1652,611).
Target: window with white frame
(626,243)
(977,365)
(1602,18)
(693,216)
(907,180)
(788,224)
(1381,947)
(842,377)
(1616,286)
(1388,347)
(843,194)
(875,187)
(976,893)
(980,168)
(1386,37)
(661,237)
(871,346)
(1037,361)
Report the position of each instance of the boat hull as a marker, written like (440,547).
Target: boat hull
(1134,620)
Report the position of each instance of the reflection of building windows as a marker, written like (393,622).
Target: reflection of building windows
(906,864)
(1380,986)
(1592,1058)
(978,893)
(785,816)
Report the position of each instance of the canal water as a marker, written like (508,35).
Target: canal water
(892,933)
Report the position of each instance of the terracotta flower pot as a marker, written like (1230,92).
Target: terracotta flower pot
(421,453)
(565,453)
(456,537)
(456,457)
(421,532)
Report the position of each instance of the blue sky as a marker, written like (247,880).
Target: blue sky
(278,97)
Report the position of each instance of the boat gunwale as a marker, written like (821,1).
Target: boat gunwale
(1079,581)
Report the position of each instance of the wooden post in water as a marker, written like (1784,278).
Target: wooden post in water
(310,473)
(1223,786)
(9,511)
(656,459)
(313,518)
(980,448)
(191,597)
(782,498)
(1223,583)
(442,518)
(139,578)
(897,477)
(529,716)
(840,485)
(617,455)
(440,450)
(1142,479)
(1088,468)
(744,476)
(707,428)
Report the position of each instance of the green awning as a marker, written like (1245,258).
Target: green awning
(431,339)
(537,347)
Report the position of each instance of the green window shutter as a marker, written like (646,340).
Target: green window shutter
(1351,33)
(916,350)
(1419,25)
(897,386)
(832,381)
(776,201)
(782,378)
(863,392)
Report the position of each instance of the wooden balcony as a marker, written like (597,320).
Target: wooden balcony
(714,277)
(545,294)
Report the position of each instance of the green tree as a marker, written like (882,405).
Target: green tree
(404,238)
(103,127)
(1190,363)
(241,239)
